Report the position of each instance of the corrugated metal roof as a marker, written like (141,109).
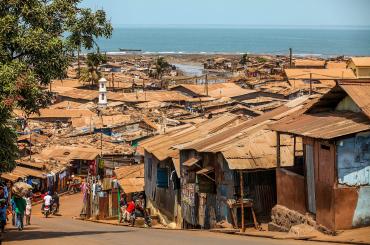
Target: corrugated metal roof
(65,153)
(319,74)
(132,171)
(167,145)
(217,90)
(361,61)
(252,145)
(326,125)
(132,185)
(191,161)
(359,91)
(62,113)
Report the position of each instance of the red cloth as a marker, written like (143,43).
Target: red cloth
(131,207)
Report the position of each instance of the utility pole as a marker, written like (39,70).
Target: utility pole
(113,80)
(310,83)
(290,57)
(242,199)
(206,84)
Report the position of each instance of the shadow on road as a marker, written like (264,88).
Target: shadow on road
(34,235)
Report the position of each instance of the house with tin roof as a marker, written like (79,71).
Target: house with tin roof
(331,183)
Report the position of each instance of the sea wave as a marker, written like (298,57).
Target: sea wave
(302,54)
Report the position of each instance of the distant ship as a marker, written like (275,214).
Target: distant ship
(129,50)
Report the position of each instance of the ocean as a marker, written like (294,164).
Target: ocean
(316,42)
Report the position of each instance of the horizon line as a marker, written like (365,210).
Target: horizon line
(241,26)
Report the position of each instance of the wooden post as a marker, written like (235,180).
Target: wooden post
(119,199)
(310,83)
(294,148)
(290,57)
(242,198)
(206,84)
(278,149)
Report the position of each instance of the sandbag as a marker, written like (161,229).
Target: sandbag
(21,189)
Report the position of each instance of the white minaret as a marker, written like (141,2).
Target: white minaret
(103,92)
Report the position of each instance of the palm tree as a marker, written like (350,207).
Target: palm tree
(91,74)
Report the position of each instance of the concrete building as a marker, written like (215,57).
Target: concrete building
(103,101)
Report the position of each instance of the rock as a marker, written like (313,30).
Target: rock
(274,227)
(302,230)
(224,224)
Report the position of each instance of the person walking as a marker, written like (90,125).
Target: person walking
(28,209)
(20,207)
(3,209)
(131,212)
(123,206)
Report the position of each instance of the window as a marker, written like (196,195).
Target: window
(102,96)
(162,177)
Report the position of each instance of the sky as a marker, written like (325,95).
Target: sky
(235,12)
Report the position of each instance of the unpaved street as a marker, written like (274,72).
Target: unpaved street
(66,230)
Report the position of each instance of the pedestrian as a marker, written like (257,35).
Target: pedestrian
(56,200)
(20,207)
(131,212)
(3,209)
(123,206)
(28,208)
(12,204)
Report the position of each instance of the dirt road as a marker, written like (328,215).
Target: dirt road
(66,230)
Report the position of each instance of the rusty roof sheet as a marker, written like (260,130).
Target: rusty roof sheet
(131,185)
(191,161)
(327,125)
(132,171)
(218,90)
(295,106)
(361,61)
(252,145)
(319,74)
(139,97)
(258,151)
(307,62)
(66,153)
(83,94)
(359,92)
(162,146)
(62,113)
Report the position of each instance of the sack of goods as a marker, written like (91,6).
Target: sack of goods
(21,189)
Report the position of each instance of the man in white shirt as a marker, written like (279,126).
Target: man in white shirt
(47,199)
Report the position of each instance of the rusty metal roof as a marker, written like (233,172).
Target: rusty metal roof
(319,74)
(167,145)
(361,61)
(191,161)
(131,185)
(132,171)
(359,91)
(326,125)
(252,145)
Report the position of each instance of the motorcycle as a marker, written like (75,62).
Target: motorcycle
(46,211)
(140,213)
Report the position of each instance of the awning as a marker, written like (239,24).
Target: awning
(191,161)
(205,170)
(131,185)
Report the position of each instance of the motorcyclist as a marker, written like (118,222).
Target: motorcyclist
(47,200)
(56,200)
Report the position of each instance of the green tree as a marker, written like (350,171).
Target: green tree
(86,26)
(244,59)
(91,74)
(33,50)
